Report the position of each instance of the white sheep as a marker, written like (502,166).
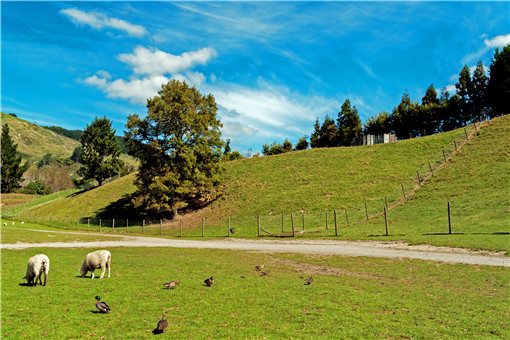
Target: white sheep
(37,265)
(95,260)
(22,222)
(5,224)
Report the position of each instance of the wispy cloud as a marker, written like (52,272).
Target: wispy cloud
(100,20)
(498,41)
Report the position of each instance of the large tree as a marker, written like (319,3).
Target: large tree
(479,92)
(498,88)
(348,124)
(179,147)
(100,156)
(10,166)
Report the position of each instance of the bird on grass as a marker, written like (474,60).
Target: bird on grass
(101,305)
(232,230)
(309,280)
(259,267)
(265,272)
(171,284)
(162,324)
(209,282)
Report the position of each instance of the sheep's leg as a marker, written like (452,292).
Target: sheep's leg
(108,264)
(92,274)
(102,271)
(45,275)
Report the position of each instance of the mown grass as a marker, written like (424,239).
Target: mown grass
(361,298)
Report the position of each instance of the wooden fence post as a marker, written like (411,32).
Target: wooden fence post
(336,226)
(292,222)
(258,225)
(203,226)
(161,228)
(465,133)
(346,217)
(430,167)
(386,202)
(326,220)
(418,176)
(303,217)
(386,220)
(444,156)
(449,220)
(228,231)
(455,143)
(403,190)
(282,222)
(366,209)
(143,226)
(181,226)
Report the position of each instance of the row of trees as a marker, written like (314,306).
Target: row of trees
(478,96)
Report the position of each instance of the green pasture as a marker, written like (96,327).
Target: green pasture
(349,298)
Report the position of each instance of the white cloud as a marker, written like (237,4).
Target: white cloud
(237,129)
(100,21)
(498,41)
(154,61)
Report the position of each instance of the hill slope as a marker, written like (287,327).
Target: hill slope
(35,141)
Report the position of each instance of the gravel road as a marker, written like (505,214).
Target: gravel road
(323,247)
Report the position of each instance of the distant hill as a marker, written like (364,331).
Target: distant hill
(34,141)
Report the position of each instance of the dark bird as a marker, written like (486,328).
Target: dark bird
(232,230)
(265,272)
(209,282)
(259,268)
(162,324)
(309,280)
(101,305)
(171,284)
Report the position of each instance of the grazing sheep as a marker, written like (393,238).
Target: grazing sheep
(22,222)
(5,224)
(37,265)
(95,260)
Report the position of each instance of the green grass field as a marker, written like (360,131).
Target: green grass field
(349,298)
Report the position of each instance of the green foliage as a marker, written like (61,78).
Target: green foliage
(276,148)
(10,167)
(35,188)
(379,124)
(348,123)
(100,157)
(498,87)
(229,155)
(302,144)
(179,147)
(74,134)
(76,157)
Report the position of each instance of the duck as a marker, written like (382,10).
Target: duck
(209,282)
(259,267)
(232,230)
(309,280)
(171,284)
(162,324)
(265,272)
(101,305)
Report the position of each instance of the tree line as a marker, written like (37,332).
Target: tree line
(477,96)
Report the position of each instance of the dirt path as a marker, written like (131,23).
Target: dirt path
(323,247)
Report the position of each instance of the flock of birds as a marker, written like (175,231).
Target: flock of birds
(163,323)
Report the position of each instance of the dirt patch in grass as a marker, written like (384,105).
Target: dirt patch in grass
(308,268)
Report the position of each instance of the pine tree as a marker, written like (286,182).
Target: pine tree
(464,89)
(10,166)
(100,157)
(348,124)
(498,88)
(479,92)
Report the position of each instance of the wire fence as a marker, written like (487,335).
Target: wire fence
(327,223)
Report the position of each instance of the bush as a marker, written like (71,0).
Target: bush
(33,188)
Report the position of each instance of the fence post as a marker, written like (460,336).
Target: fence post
(466,133)
(228,231)
(51,224)
(449,220)
(113,225)
(77,224)
(282,222)
(430,167)
(418,176)
(161,228)
(366,209)
(258,225)
(455,143)
(292,222)
(326,220)
(143,226)
(386,201)
(203,226)
(346,217)
(403,190)
(303,217)
(336,226)
(386,220)
(444,156)
(181,226)
(99,225)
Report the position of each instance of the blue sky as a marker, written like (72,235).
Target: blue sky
(273,67)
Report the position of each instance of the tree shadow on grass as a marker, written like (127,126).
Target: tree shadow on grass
(122,208)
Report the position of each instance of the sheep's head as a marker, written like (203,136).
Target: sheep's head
(83,273)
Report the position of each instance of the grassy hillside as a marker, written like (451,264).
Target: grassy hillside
(355,181)
(34,141)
